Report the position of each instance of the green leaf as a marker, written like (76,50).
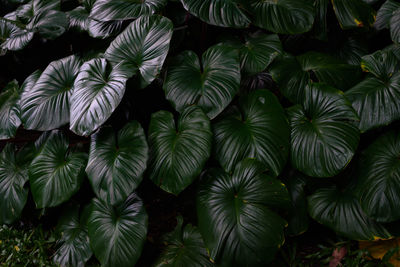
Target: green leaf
(293,74)
(12,37)
(218,12)
(283,16)
(298,215)
(9,110)
(353,14)
(395,26)
(379,178)
(105,10)
(98,90)
(385,14)
(79,18)
(235,217)
(320,24)
(104,29)
(117,161)
(323,137)
(257,52)
(73,245)
(257,128)
(142,47)
(376,99)
(210,83)
(34,7)
(178,151)
(184,247)
(56,172)
(341,212)
(117,233)
(13,176)
(46,105)
(50,23)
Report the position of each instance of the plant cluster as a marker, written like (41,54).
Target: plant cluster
(275,111)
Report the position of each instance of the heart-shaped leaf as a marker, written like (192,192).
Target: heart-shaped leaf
(178,151)
(210,83)
(56,172)
(13,176)
(73,245)
(142,47)
(117,161)
(12,37)
(46,105)
(257,51)
(342,212)
(379,178)
(256,129)
(218,12)
(9,110)
(377,98)
(323,137)
(235,217)
(354,13)
(105,10)
(50,23)
(184,247)
(293,74)
(98,90)
(283,16)
(117,233)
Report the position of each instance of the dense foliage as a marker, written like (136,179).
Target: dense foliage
(255,118)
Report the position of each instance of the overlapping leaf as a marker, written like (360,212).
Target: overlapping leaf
(218,12)
(210,83)
(142,47)
(354,13)
(342,212)
(184,247)
(56,172)
(117,233)
(12,37)
(323,137)
(293,74)
(98,89)
(283,16)
(235,217)
(178,150)
(46,105)
(117,162)
(377,98)
(298,220)
(9,110)
(73,245)
(256,129)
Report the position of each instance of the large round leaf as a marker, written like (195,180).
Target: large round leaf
(56,172)
(13,176)
(257,129)
(46,105)
(379,177)
(342,212)
(184,247)
(293,74)
(73,245)
(257,51)
(210,83)
(142,47)
(117,233)
(117,162)
(12,37)
(354,13)
(377,98)
(224,13)
(178,151)
(323,137)
(235,219)
(106,10)
(98,89)
(9,110)
(283,16)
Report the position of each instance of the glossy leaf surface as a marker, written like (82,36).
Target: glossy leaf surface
(256,129)
(117,161)
(178,150)
(9,110)
(117,233)
(353,14)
